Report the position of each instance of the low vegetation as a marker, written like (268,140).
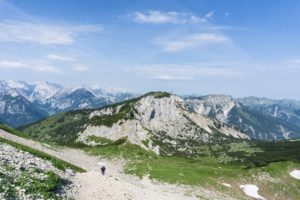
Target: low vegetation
(35,184)
(126,112)
(61,128)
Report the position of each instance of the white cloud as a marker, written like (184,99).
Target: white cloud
(46,34)
(191,41)
(158,17)
(221,28)
(59,57)
(189,72)
(11,64)
(210,15)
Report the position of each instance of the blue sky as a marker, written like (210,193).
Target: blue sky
(241,48)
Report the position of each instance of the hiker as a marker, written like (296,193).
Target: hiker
(102,167)
(103,170)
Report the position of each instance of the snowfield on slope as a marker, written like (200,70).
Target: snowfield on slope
(251,191)
(295,174)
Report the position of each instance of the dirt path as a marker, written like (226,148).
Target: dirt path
(114,185)
(74,156)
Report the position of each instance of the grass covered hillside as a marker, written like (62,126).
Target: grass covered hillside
(63,128)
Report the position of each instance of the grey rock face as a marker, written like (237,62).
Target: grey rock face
(156,122)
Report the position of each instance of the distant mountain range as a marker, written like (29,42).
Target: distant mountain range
(260,118)
(22,103)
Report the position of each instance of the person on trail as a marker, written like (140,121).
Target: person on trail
(103,170)
(102,167)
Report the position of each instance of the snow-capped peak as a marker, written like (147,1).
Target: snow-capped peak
(43,91)
(12,93)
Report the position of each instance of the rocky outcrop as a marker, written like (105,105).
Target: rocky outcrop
(155,123)
(218,106)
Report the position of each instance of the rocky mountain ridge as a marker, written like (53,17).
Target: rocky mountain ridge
(286,109)
(156,121)
(260,118)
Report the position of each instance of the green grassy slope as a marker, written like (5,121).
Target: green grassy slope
(62,128)
(265,164)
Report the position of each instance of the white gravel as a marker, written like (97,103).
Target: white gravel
(295,174)
(251,191)
(14,162)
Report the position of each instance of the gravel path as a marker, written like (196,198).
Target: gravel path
(114,185)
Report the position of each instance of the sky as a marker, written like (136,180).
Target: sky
(234,47)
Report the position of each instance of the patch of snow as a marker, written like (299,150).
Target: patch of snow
(83,105)
(13,93)
(43,91)
(295,174)
(251,191)
(15,84)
